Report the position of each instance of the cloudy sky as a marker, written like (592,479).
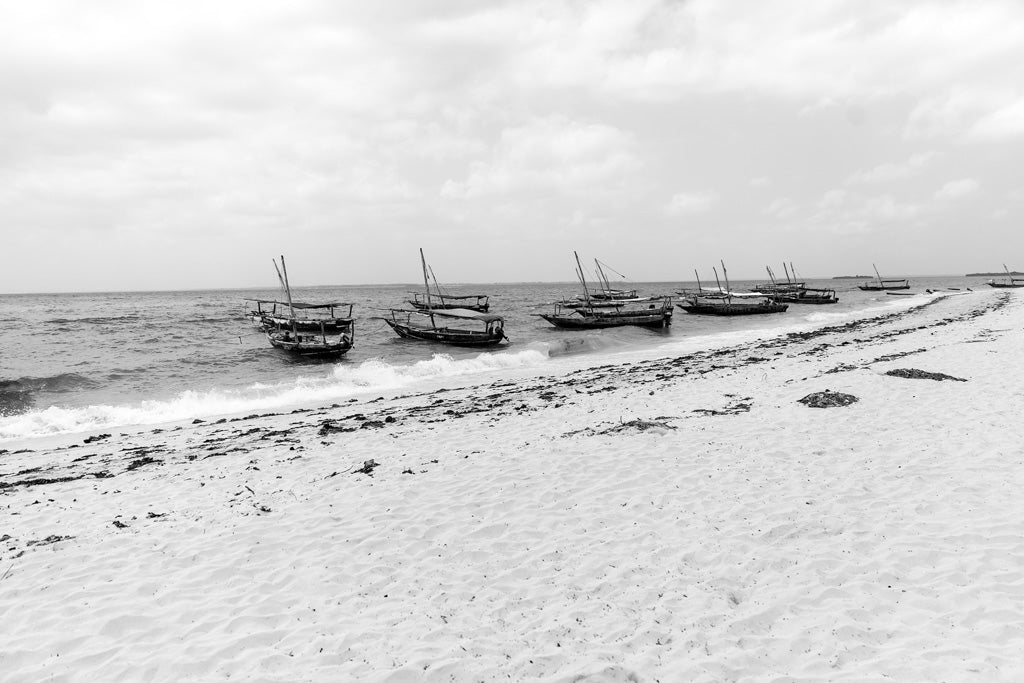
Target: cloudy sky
(162,145)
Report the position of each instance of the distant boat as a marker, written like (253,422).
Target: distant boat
(725,302)
(439,300)
(306,329)
(609,308)
(609,293)
(794,291)
(448,325)
(883,285)
(1012,282)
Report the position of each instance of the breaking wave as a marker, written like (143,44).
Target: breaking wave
(18,395)
(343,381)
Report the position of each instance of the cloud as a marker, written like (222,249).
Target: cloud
(888,172)
(1006,122)
(845,212)
(536,118)
(550,155)
(683,203)
(783,207)
(958,189)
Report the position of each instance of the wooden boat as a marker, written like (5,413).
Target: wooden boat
(729,306)
(455,326)
(590,318)
(439,300)
(437,326)
(809,295)
(1011,283)
(794,291)
(588,313)
(318,330)
(883,285)
(724,302)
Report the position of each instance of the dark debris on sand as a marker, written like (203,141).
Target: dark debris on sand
(828,399)
(911,373)
(638,425)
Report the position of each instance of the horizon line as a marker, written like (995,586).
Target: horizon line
(447,285)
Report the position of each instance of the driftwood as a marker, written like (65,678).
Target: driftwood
(828,399)
(911,373)
(367,467)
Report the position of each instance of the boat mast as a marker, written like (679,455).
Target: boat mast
(717,281)
(725,274)
(436,285)
(603,277)
(880,283)
(284,283)
(699,289)
(788,281)
(1008,273)
(288,291)
(426,286)
(583,280)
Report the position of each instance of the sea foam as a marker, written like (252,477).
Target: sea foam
(341,382)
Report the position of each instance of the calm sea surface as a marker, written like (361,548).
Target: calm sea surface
(72,362)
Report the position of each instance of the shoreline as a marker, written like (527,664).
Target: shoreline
(672,517)
(357,380)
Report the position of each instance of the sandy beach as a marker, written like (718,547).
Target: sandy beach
(676,518)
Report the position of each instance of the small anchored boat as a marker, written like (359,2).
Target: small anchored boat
(305,329)
(455,326)
(883,284)
(448,325)
(614,308)
(1010,283)
(725,302)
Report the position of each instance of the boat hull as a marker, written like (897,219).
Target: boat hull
(1004,285)
(309,347)
(591,322)
(879,288)
(725,309)
(446,335)
(481,308)
(807,299)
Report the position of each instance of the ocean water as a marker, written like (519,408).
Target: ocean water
(78,362)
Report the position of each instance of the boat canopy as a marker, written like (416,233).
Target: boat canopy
(463,313)
(452,296)
(722,294)
(297,304)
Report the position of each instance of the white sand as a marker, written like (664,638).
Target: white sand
(532,542)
